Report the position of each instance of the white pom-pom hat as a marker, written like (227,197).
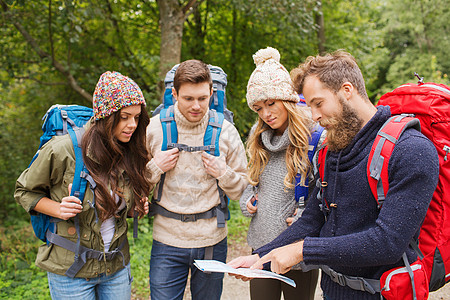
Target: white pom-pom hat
(270,80)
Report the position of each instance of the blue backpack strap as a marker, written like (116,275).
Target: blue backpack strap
(78,187)
(169,128)
(211,140)
(79,181)
(170,138)
(301,191)
(212,133)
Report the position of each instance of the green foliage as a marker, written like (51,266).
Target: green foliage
(237,225)
(87,38)
(140,257)
(415,40)
(20,278)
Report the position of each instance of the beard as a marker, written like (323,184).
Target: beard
(344,127)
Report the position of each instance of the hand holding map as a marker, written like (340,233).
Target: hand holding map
(220,267)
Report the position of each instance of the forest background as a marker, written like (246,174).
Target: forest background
(55,51)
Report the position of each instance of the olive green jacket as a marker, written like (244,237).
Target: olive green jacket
(50,176)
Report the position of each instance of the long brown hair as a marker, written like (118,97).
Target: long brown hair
(299,126)
(105,157)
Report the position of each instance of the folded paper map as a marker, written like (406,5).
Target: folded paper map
(220,267)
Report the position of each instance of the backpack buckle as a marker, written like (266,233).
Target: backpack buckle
(337,277)
(188,218)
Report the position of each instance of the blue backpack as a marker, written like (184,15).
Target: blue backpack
(217,114)
(61,120)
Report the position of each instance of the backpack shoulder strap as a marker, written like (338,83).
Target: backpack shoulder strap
(314,141)
(81,173)
(302,190)
(320,181)
(381,151)
(321,159)
(169,128)
(211,144)
(212,133)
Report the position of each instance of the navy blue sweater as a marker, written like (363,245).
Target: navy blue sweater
(356,238)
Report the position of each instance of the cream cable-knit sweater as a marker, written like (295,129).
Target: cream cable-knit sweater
(188,188)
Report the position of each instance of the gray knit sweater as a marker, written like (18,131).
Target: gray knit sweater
(275,201)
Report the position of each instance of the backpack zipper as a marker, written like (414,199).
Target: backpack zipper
(399,271)
(447,151)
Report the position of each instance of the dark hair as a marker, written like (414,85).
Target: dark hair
(106,157)
(332,70)
(192,71)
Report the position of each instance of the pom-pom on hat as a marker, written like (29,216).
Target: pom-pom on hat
(270,80)
(113,92)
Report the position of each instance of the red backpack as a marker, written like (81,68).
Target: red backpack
(425,106)
(430,103)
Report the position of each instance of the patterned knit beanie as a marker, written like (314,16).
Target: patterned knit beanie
(270,80)
(114,92)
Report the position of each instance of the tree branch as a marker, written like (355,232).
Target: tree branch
(188,5)
(43,54)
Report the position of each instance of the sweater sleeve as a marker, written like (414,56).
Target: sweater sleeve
(246,195)
(413,174)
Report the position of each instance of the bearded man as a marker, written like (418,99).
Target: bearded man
(353,236)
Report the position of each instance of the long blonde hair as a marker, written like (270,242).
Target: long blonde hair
(299,126)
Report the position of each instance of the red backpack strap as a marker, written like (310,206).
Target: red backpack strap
(321,158)
(377,166)
(320,181)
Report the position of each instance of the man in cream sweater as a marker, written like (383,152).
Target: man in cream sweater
(188,219)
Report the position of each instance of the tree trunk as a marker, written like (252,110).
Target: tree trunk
(320,28)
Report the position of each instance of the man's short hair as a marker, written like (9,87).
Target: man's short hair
(192,71)
(332,70)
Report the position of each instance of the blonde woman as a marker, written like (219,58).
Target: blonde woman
(277,148)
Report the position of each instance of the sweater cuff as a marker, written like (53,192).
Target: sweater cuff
(153,168)
(225,177)
(315,251)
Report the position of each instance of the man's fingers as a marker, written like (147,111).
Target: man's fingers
(206,155)
(173,150)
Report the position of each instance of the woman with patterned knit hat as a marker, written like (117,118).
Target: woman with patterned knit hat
(277,148)
(114,152)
